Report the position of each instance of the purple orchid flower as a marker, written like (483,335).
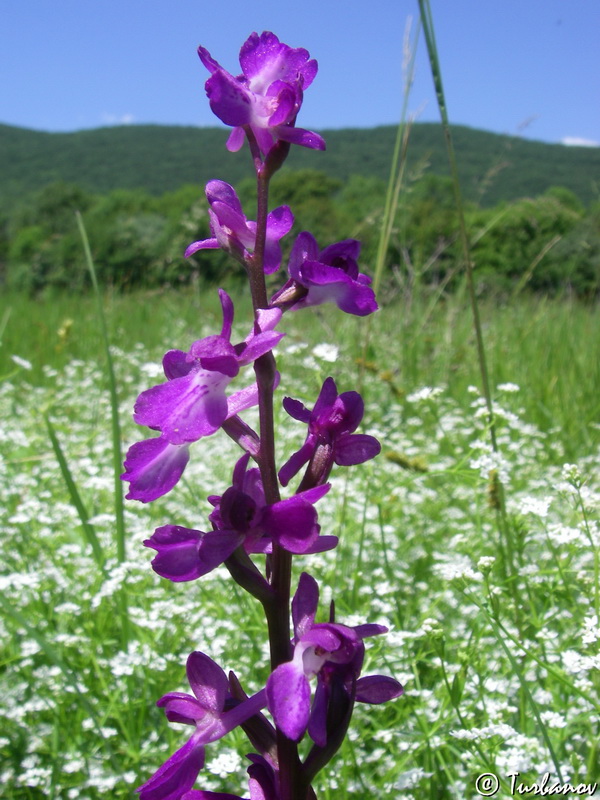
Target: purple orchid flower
(262,784)
(232,232)
(266,98)
(184,554)
(211,711)
(241,517)
(329,275)
(331,438)
(193,402)
(331,652)
(292,523)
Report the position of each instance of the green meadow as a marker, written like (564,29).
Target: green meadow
(492,606)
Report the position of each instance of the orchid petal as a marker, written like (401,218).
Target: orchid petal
(295,463)
(376,689)
(176,775)
(228,99)
(235,140)
(317,725)
(222,192)
(355,449)
(185,554)
(304,604)
(185,409)
(296,409)
(242,399)
(369,629)
(176,364)
(204,244)
(292,523)
(300,136)
(305,248)
(208,681)
(288,699)
(181,707)
(153,467)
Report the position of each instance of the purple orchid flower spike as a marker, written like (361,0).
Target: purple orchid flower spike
(193,402)
(329,275)
(331,438)
(266,98)
(262,784)
(232,232)
(213,714)
(333,653)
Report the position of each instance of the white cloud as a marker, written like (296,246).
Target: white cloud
(578,141)
(115,119)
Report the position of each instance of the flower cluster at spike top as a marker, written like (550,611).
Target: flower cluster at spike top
(252,529)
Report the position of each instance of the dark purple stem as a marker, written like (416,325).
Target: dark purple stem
(292,783)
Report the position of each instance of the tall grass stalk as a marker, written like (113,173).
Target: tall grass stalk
(114,402)
(428,31)
(398,164)
(505,531)
(87,528)
(117,454)
(396,178)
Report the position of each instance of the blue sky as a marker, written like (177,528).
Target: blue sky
(522,67)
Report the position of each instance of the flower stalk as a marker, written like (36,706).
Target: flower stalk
(251,519)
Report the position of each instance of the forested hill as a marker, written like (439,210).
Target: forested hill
(161,158)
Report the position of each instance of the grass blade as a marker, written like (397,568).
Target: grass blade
(88,529)
(116,432)
(114,403)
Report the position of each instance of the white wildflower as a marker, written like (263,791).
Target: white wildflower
(490,462)
(225,763)
(411,778)
(455,568)
(508,387)
(553,719)
(485,563)
(426,393)
(326,352)
(591,632)
(22,362)
(537,507)
(570,474)
(294,347)
(152,369)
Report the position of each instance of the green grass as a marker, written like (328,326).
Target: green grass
(548,347)
(498,656)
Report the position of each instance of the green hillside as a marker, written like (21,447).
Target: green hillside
(160,158)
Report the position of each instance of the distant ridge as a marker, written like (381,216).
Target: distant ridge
(159,158)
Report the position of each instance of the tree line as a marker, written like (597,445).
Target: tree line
(547,243)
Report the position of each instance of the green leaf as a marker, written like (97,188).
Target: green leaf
(88,529)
